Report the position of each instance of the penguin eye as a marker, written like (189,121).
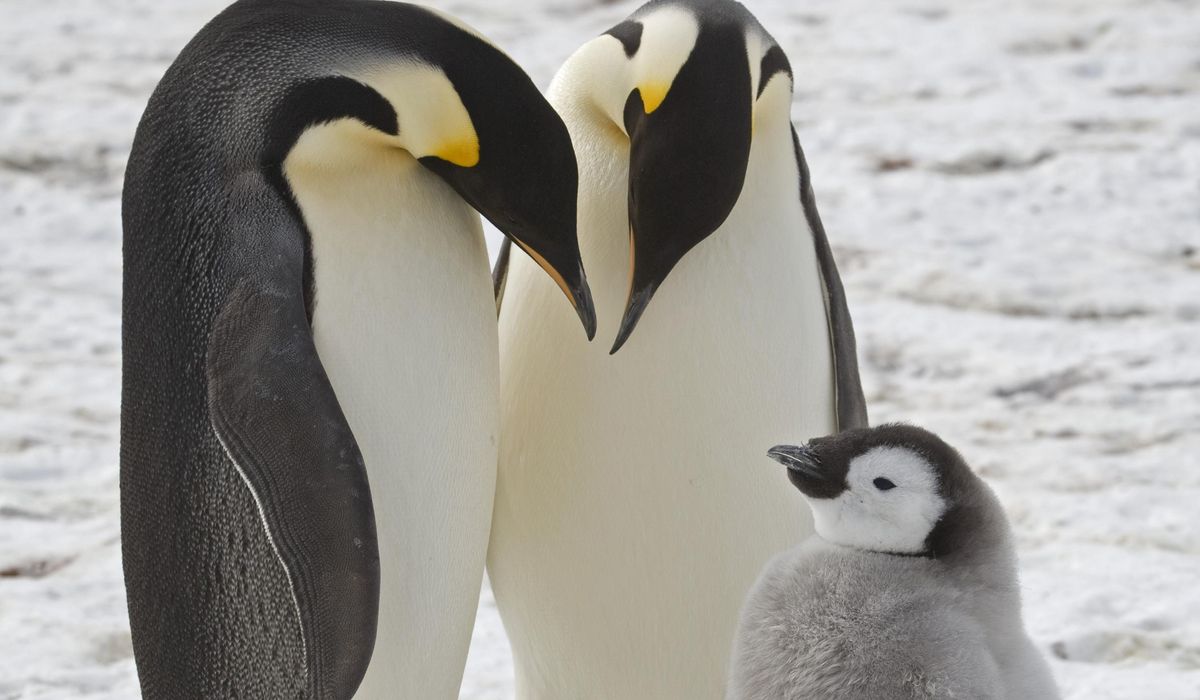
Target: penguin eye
(883,484)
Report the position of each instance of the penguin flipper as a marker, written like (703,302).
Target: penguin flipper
(274,411)
(848,394)
(500,272)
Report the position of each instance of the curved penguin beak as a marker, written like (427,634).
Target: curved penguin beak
(572,280)
(581,298)
(687,162)
(538,217)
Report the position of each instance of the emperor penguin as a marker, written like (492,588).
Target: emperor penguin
(908,590)
(311,376)
(627,529)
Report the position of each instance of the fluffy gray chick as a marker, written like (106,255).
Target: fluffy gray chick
(908,590)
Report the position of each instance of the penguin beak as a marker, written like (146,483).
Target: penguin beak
(572,280)
(525,178)
(539,216)
(801,459)
(687,163)
(581,298)
(806,472)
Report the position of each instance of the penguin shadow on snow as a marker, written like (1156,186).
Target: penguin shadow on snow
(908,590)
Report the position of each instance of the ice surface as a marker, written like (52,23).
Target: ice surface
(1013,191)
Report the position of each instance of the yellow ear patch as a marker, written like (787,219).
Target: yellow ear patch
(461,152)
(653,93)
(432,118)
(669,35)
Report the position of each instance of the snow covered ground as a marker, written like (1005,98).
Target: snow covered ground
(1013,190)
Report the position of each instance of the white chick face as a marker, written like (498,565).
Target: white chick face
(890,503)
(880,489)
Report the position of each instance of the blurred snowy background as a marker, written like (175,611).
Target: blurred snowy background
(1013,192)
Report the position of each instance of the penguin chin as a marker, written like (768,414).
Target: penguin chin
(845,521)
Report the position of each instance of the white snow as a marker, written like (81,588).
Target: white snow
(1013,192)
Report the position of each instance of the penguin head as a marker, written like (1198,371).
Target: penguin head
(525,179)
(468,113)
(894,488)
(678,84)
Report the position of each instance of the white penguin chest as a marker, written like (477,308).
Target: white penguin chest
(404,324)
(634,498)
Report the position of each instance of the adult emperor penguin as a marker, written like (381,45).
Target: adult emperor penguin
(307,309)
(908,591)
(627,528)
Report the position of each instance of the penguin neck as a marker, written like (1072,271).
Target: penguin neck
(976,544)
(393,246)
(602,211)
(982,564)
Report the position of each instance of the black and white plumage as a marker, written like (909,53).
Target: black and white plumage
(307,308)
(627,531)
(908,591)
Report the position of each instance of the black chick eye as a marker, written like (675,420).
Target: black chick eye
(883,484)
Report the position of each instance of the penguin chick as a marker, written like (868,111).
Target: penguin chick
(907,591)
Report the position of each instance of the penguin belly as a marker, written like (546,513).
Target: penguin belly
(635,506)
(404,325)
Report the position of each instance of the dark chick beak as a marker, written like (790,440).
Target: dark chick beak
(687,162)
(802,459)
(806,472)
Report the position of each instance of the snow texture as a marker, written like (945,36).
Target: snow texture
(1013,192)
